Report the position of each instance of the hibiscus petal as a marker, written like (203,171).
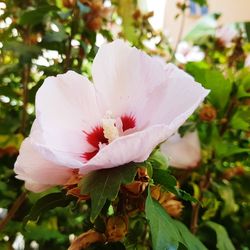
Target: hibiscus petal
(65,108)
(132,82)
(135,147)
(64,101)
(65,153)
(38,173)
(183,152)
(124,77)
(173,102)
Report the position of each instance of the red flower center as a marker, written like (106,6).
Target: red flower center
(96,136)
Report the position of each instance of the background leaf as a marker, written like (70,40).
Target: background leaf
(46,203)
(166,232)
(223,241)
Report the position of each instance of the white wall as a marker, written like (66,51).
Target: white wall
(231,10)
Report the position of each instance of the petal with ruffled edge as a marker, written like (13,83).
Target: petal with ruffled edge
(183,152)
(131,82)
(38,173)
(124,78)
(65,108)
(175,100)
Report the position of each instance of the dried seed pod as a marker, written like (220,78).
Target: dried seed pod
(232,172)
(116,228)
(142,174)
(10,151)
(72,186)
(168,200)
(95,23)
(137,187)
(137,14)
(86,239)
(69,3)
(173,207)
(155,192)
(208,113)
(94,18)
(74,179)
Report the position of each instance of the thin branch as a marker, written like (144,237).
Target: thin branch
(228,115)
(68,60)
(12,211)
(204,184)
(182,25)
(25,80)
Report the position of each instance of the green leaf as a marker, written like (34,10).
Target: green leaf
(212,207)
(163,177)
(247,28)
(204,27)
(201,2)
(215,81)
(165,235)
(42,233)
(244,87)
(103,185)
(166,232)
(158,160)
(46,203)
(185,196)
(187,238)
(36,16)
(241,119)
(52,36)
(227,195)
(84,9)
(220,88)
(11,140)
(223,240)
(168,181)
(224,149)
(126,10)
(20,49)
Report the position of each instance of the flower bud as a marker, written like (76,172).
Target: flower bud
(208,113)
(183,152)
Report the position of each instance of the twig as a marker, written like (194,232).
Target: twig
(204,184)
(68,54)
(182,25)
(67,61)
(12,211)
(228,115)
(25,80)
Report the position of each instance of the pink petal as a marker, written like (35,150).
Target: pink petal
(65,107)
(124,78)
(183,152)
(135,147)
(132,82)
(173,102)
(38,173)
(64,101)
(36,187)
(65,153)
